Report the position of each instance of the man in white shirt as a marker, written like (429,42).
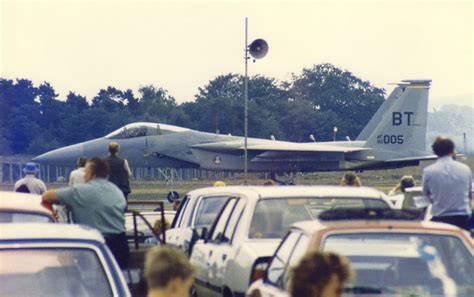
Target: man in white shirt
(77,176)
(34,185)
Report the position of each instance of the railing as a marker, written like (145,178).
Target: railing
(136,214)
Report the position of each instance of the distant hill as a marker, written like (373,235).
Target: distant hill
(453,120)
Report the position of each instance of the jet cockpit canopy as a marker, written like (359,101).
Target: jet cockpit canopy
(141,129)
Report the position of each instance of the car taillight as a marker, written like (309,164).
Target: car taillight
(259,268)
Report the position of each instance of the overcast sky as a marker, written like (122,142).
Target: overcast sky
(84,46)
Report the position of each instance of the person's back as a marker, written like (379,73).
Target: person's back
(34,185)
(119,170)
(448,178)
(78,176)
(98,204)
(448,184)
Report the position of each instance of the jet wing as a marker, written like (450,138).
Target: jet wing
(279,151)
(414,158)
(279,146)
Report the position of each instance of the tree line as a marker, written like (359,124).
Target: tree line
(34,120)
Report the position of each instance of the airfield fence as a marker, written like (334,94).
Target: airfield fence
(11,170)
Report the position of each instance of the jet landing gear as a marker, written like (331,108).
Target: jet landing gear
(170,174)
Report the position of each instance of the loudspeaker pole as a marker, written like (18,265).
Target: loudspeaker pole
(246,98)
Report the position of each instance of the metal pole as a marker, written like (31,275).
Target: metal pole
(246,105)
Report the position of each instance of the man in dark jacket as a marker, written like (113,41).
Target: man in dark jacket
(119,170)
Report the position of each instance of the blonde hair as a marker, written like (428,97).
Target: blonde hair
(219,183)
(163,264)
(350,179)
(113,147)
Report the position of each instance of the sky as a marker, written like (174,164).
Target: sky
(84,46)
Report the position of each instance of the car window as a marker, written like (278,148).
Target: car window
(272,217)
(221,223)
(235,217)
(277,266)
(208,210)
(19,217)
(301,247)
(52,272)
(180,213)
(424,263)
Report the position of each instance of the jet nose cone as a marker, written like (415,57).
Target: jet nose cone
(66,156)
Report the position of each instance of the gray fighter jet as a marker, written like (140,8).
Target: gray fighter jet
(395,137)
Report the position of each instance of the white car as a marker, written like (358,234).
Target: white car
(198,210)
(250,225)
(23,208)
(57,260)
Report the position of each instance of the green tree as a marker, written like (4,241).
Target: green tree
(331,89)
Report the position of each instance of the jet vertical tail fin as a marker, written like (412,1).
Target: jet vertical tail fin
(402,121)
(375,120)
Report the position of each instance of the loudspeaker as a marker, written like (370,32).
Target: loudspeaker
(258,48)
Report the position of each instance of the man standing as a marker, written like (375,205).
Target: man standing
(77,176)
(119,170)
(448,185)
(99,204)
(34,185)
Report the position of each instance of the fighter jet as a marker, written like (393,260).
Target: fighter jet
(395,137)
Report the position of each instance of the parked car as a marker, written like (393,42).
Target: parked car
(23,208)
(57,260)
(250,224)
(388,256)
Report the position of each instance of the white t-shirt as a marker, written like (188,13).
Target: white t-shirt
(35,186)
(77,176)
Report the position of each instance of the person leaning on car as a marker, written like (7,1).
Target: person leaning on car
(448,185)
(98,204)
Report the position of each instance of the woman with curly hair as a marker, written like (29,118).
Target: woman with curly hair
(320,275)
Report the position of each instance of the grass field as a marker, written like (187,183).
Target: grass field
(383,180)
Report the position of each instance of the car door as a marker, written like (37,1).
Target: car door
(177,230)
(202,256)
(293,246)
(222,244)
(213,251)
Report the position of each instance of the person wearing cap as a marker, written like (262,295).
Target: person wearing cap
(448,184)
(120,172)
(34,184)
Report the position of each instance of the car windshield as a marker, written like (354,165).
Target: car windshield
(24,217)
(52,272)
(273,217)
(418,264)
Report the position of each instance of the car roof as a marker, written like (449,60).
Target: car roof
(42,231)
(312,227)
(22,202)
(291,191)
